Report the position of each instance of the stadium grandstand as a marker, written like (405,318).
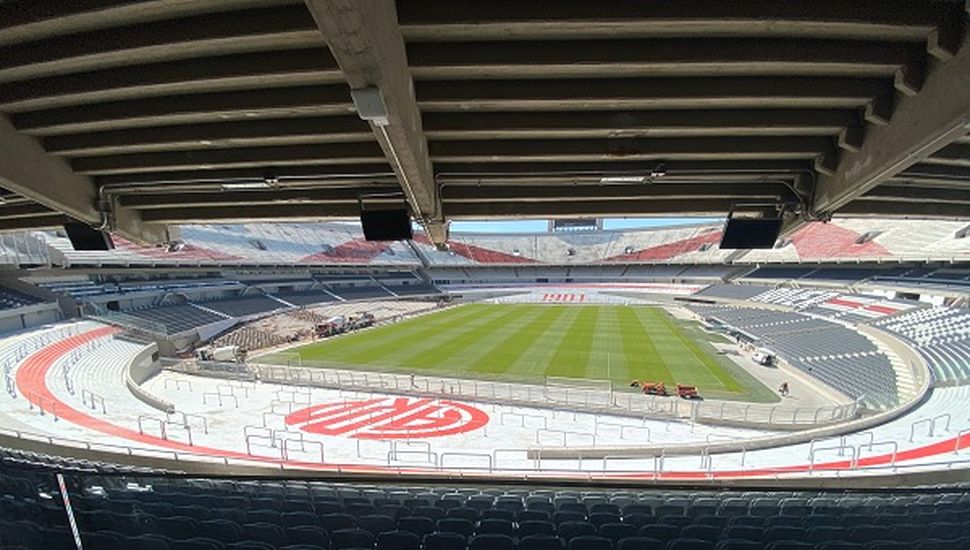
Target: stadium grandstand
(241,309)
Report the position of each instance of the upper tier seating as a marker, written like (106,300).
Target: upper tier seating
(337,243)
(258,243)
(23,250)
(867,238)
(839,240)
(317,243)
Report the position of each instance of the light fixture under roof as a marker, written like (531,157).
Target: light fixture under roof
(243,185)
(623,179)
(370,105)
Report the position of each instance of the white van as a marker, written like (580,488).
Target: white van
(763,357)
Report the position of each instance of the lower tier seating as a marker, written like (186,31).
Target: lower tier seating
(830,352)
(187,514)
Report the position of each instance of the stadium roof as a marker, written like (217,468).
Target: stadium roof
(140,114)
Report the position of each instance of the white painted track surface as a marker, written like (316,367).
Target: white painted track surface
(99,368)
(508,427)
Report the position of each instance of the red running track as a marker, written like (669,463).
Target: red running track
(32,382)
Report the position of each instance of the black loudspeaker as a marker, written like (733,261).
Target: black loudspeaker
(386,225)
(84,237)
(747,233)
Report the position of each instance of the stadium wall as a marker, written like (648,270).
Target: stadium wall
(13,320)
(142,368)
(706,449)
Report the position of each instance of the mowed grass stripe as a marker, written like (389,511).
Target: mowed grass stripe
(400,348)
(534,362)
(679,360)
(572,355)
(726,380)
(426,342)
(455,348)
(508,350)
(606,359)
(528,342)
(639,351)
(389,335)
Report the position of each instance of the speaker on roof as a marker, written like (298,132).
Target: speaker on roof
(748,233)
(85,237)
(386,225)
(385,217)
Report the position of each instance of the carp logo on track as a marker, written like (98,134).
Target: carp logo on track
(389,418)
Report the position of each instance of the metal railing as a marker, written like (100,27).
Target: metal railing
(92,400)
(840,448)
(178,383)
(44,404)
(594,401)
(219,397)
(931,422)
(520,462)
(163,430)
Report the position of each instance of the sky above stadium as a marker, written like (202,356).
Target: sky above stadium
(528,226)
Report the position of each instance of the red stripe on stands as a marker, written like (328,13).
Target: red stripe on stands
(669,250)
(827,240)
(842,302)
(353,251)
(32,382)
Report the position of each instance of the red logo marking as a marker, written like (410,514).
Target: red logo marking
(563,297)
(389,418)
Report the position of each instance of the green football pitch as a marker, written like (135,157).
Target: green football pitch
(529,342)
